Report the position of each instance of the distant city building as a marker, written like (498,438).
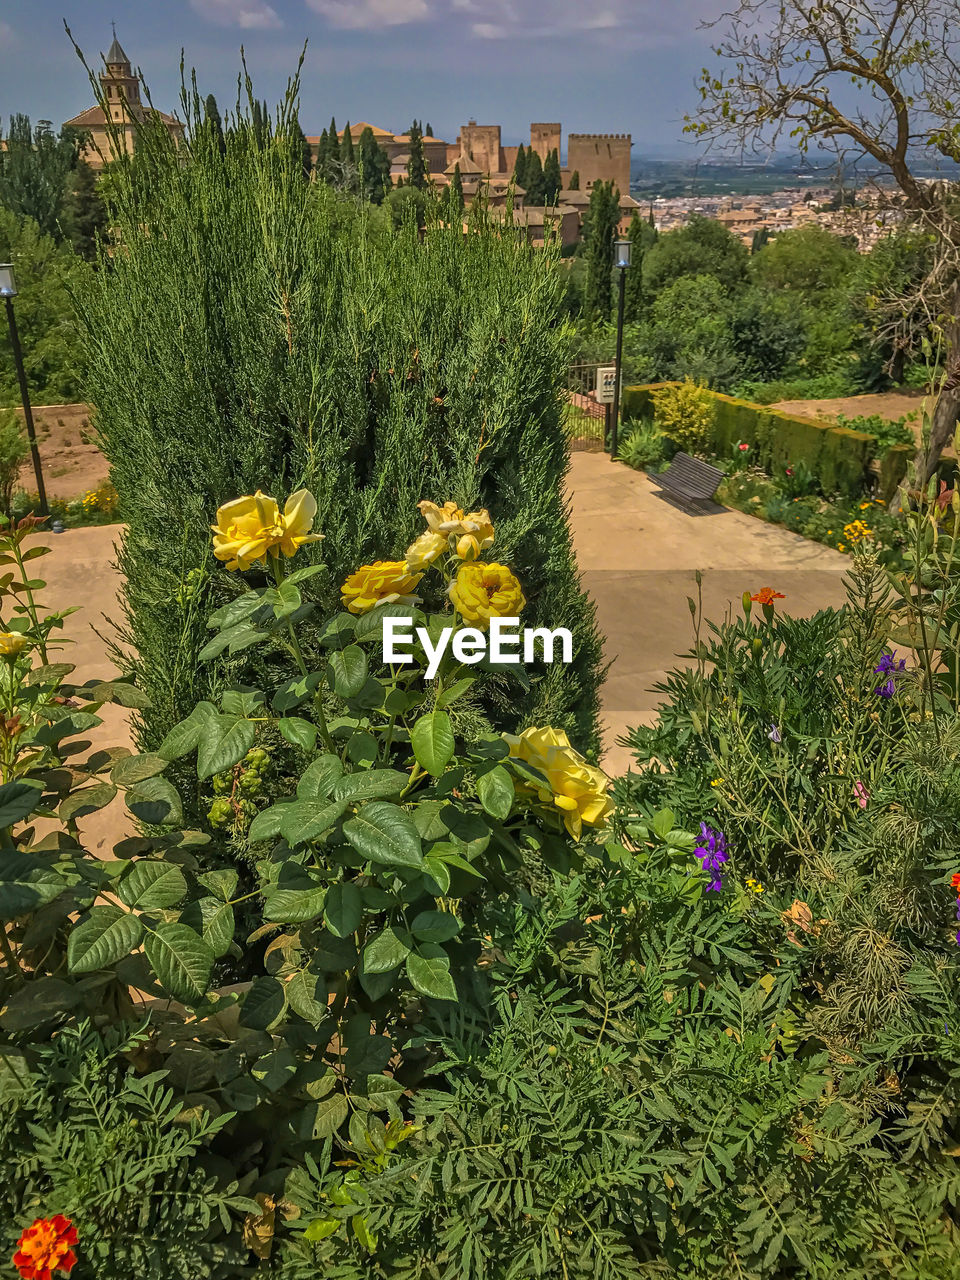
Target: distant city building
(121,93)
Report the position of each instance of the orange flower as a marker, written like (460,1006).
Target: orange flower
(767,595)
(45,1248)
(955,880)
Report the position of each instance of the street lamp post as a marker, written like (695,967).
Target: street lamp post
(8,291)
(622,260)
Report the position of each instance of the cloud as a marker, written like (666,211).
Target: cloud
(640,22)
(248,15)
(8,37)
(370,14)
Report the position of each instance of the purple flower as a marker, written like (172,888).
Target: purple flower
(712,852)
(889,667)
(774,734)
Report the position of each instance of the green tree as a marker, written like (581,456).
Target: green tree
(428,131)
(347,156)
(536,188)
(574,181)
(306,153)
(761,239)
(35,171)
(520,168)
(702,247)
(809,261)
(456,189)
(214,122)
(321,162)
(417,164)
(603,216)
(374,167)
(552,181)
(642,237)
(84,214)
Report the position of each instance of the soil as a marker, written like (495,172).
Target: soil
(890,405)
(72,464)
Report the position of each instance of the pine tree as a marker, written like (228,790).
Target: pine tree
(417,165)
(456,189)
(552,181)
(85,217)
(211,116)
(602,219)
(574,181)
(520,168)
(536,188)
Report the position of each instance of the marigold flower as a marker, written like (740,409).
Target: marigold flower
(11,643)
(250,528)
(573,786)
(383,582)
(45,1247)
(955,880)
(767,595)
(484,591)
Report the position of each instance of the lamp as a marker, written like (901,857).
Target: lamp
(8,281)
(621,251)
(8,291)
(621,257)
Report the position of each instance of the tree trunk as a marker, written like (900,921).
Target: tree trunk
(946,411)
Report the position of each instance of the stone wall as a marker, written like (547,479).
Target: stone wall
(600,157)
(545,138)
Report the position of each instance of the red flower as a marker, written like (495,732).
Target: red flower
(45,1248)
(955,880)
(767,595)
(744,448)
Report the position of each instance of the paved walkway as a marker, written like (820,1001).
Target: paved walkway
(638,553)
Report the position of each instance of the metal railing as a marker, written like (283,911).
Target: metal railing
(587,423)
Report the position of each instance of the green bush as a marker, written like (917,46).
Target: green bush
(887,433)
(260,331)
(643,447)
(13,450)
(684,411)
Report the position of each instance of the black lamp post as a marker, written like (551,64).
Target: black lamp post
(621,250)
(8,291)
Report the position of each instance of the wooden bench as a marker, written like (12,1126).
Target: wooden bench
(689,479)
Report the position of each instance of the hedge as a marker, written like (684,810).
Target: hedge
(838,457)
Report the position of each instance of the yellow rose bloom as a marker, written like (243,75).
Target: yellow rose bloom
(484,591)
(473,531)
(422,553)
(11,643)
(577,789)
(383,582)
(249,528)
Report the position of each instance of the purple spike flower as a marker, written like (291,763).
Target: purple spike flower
(774,734)
(889,667)
(712,852)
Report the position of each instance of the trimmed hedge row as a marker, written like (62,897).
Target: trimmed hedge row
(838,457)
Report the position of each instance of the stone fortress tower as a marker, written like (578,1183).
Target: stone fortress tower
(545,138)
(600,157)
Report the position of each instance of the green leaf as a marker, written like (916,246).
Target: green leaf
(104,937)
(309,571)
(385,952)
(384,834)
(664,822)
(87,800)
(152,886)
(235,638)
(349,670)
(17,799)
(329,1115)
(181,960)
(296,898)
(26,884)
(435,926)
(294,691)
(263,1004)
(226,740)
(266,825)
(456,690)
(156,802)
(319,777)
(214,921)
(306,819)
(275,1069)
(299,733)
(343,909)
(186,735)
(369,784)
(438,872)
(235,611)
(242,702)
(433,742)
(129,770)
(302,996)
(496,792)
(37,1002)
(430,975)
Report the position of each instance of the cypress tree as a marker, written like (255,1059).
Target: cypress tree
(552,181)
(603,216)
(240,394)
(536,187)
(85,217)
(641,236)
(417,165)
(212,119)
(323,152)
(305,152)
(520,168)
(374,168)
(347,156)
(574,181)
(456,189)
(428,131)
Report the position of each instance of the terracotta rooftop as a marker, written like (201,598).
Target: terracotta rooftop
(96,117)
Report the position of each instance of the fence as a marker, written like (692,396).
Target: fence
(587,423)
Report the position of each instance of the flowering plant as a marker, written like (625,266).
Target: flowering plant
(45,1248)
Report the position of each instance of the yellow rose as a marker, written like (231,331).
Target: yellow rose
(249,528)
(11,643)
(473,531)
(422,553)
(484,591)
(575,787)
(383,582)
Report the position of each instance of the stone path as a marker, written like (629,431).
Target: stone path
(638,554)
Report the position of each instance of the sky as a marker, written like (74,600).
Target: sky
(597,66)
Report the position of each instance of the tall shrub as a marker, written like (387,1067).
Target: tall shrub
(253,330)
